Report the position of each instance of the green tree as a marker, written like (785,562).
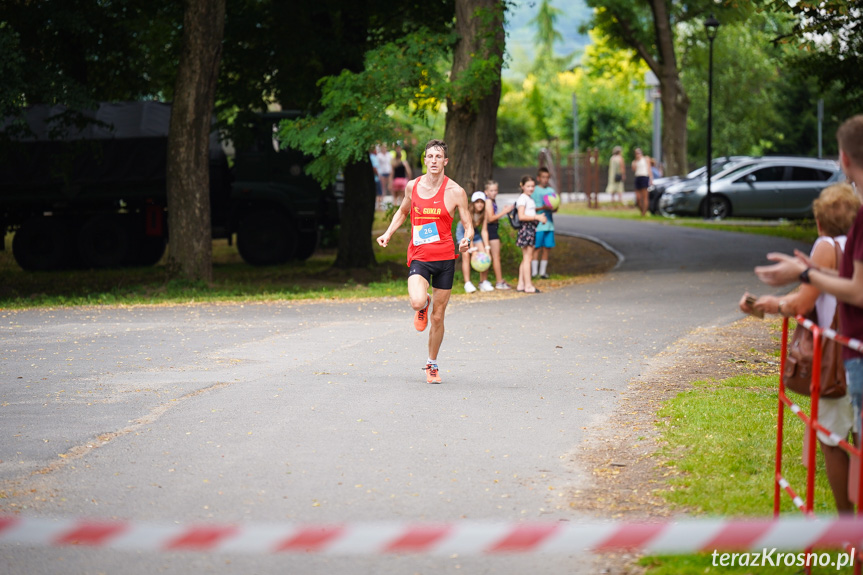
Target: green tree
(827,35)
(546,33)
(473,95)
(359,108)
(650,27)
(744,63)
(354,117)
(534,121)
(84,51)
(610,90)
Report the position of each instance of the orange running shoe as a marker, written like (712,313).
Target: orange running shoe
(432,375)
(421,318)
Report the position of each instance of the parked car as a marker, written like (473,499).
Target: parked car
(660,185)
(765,187)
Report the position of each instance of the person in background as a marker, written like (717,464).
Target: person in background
(544,230)
(835,209)
(616,175)
(481,242)
(401,173)
(847,286)
(379,193)
(655,169)
(385,169)
(643,179)
(492,216)
(399,153)
(527,232)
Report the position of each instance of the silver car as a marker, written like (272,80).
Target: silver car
(766,187)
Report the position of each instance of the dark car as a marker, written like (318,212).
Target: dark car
(767,187)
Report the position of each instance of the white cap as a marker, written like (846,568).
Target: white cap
(478,196)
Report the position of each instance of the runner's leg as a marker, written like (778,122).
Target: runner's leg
(440,299)
(418,288)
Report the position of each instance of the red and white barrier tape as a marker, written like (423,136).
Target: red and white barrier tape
(467,538)
(830,333)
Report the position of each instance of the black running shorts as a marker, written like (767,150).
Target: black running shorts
(439,274)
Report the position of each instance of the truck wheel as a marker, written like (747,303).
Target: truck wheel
(266,238)
(148,252)
(41,244)
(104,242)
(306,245)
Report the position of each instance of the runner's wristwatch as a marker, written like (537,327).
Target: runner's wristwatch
(804,275)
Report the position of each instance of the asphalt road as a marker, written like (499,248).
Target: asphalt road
(277,412)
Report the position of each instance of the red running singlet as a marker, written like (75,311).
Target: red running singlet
(431,227)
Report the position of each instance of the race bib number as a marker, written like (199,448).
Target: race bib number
(426,234)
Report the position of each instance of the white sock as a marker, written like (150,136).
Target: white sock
(431,361)
(543,266)
(534,265)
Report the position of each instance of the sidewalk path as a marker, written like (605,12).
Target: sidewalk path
(319,412)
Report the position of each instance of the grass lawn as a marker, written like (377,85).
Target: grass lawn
(719,453)
(803,230)
(234,280)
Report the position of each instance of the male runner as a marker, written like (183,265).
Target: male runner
(430,202)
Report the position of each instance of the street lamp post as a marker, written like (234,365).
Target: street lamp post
(711,26)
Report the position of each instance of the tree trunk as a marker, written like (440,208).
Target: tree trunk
(675,108)
(358,213)
(675,102)
(471,118)
(191,244)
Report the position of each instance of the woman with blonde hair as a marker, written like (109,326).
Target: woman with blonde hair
(835,210)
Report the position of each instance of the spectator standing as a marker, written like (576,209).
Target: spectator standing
(616,174)
(643,179)
(655,169)
(385,169)
(480,241)
(847,286)
(544,230)
(401,173)
(493,215)
(527,232)
(835,209)
(379,194)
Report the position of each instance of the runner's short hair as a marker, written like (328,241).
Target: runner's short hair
(437,144)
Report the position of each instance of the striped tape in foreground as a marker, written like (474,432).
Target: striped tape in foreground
(466,538)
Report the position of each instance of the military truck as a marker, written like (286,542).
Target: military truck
(92,194)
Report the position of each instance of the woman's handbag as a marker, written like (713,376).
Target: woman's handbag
(618,177)
(797,375)
(798,364)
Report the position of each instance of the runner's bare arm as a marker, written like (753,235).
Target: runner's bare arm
(399,217)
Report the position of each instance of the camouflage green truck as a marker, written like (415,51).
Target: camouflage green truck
(93,195)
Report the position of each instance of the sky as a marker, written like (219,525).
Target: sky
(520,34)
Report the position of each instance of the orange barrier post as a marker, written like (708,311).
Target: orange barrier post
(855,486)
